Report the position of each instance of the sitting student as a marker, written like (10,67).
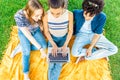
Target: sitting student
(89,23)
(58,26)
(29,22)
(18,48)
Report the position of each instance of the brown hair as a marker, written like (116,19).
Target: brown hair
(56,3)
(93,6)
(31,6)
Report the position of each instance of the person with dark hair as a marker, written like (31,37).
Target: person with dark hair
(29,22)
(66,4)
(88,28)
(58,26)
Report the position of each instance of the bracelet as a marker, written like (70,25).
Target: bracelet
(40,48)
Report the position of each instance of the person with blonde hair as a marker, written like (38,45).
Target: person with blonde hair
(30,27)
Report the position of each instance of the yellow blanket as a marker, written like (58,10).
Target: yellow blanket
(11,69)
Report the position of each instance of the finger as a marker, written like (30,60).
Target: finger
(61,48)
(63,54)
(52,52)
(65,51)
(87,54)
(55,52)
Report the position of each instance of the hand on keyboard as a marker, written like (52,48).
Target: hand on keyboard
(61,57)
(54,50)
(64,51)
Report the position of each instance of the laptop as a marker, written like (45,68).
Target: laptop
(59,58)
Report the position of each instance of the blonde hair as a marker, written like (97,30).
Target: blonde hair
(30,8)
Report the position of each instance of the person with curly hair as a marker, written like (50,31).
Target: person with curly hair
(88,29)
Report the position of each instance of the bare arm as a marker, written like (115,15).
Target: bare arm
(33,41)
(70,29)
(47,33)
(70,32)
(30,37)
(94,41)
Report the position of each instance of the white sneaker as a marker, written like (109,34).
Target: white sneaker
(16,51)
(26,77)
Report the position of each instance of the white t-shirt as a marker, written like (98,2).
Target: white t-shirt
(86,28)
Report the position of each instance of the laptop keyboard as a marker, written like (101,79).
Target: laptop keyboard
(59,57)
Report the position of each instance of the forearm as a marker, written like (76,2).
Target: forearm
(68,37)
(70,29)
(46,30)
(50,38)
(31,38)
(94,40)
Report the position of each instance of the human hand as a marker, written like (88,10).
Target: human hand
(54,50)
(43,54)
(89,52)
(64,50)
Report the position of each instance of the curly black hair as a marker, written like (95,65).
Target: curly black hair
(93,6)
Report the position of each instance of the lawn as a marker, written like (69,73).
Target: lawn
(112,27)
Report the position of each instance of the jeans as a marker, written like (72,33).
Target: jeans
(55,68)
(27,46)
(106,48)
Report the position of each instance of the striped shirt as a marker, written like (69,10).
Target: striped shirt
(58,26)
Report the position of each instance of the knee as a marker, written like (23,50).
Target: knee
(43,44)
(25,52)
(114,49)
(74,52)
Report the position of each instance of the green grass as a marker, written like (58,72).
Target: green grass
(112,27)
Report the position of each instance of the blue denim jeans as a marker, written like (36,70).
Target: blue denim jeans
(27,46)
(106,48)
(55,68)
